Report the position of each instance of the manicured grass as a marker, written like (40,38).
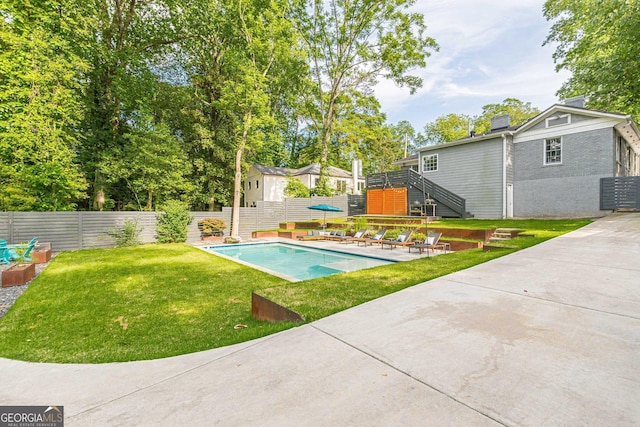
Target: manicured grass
(142,302)
(155,301)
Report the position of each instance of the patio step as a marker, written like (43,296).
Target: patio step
(501,234)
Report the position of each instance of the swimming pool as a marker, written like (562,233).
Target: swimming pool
(293,262)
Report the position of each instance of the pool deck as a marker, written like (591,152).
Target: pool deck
(549,335)
(397,254)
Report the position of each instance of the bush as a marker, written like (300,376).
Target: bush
(211,227)
(419,237)
(128,234)
(172,222)
(360,223)
(295,188)
(392,234)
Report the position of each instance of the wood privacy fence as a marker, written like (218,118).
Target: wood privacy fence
(83,230)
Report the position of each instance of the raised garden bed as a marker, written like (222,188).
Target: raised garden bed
(264,234)
(41,253)
(18,274)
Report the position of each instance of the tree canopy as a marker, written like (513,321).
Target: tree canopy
(129,104)
(450,127)
(599,43)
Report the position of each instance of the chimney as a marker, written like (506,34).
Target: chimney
(576,101)
(500,122)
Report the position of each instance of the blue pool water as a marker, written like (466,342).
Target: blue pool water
(296,262)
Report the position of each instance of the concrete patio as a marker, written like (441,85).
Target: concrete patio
(547,336)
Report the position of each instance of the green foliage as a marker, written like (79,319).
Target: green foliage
(392,234)
(419,237)
(451,127)
(172,222)
(599,43)
(350,46)
(518,111)
(360,223)
(322,188)
(295,188)
(152,163)
(78,327)
(40,71)
(446,128)
(211,226)
(128,234)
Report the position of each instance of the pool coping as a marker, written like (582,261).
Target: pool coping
(290,243)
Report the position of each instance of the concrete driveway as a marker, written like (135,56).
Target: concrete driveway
(547,336)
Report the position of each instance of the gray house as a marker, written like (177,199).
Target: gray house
(551,166)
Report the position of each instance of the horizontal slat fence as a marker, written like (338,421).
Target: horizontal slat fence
(84,230)
(621,192)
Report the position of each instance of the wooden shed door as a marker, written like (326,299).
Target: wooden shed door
(390,201)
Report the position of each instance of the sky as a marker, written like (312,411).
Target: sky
(489,50)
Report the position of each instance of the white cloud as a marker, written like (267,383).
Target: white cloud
(489,50)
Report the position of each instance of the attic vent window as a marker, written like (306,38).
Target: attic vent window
(563,119)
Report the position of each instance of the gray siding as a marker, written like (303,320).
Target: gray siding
(575,118)
(474,172)
(570,189)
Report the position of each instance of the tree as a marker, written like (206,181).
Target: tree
(295,188)
(446,128)
(451,127)
(152,163)
(350,46)
(127,38)
(599,43)
(244,50)
(518,111)
(39,111)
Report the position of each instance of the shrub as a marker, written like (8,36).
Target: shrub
(128,234)
(172,222)
(392,234)
(296,188)
(419,237)
(360,223)
(211,227)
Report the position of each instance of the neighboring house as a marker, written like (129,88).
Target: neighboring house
(550,166)
(267,183)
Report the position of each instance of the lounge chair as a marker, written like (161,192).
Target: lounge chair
(404,239)
(336,235)
(431,242)
(358,236)
(22,252)
(377,238)
(5,257)
(312,235)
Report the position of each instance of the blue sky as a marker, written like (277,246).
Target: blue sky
(489,50)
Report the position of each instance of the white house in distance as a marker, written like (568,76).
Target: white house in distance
(267,183)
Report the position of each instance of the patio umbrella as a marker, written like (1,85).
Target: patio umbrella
(325,208)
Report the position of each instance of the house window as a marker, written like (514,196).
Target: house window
(249,185)
(360,186)
(619,149)
(562,119)
(315,181)
(430,163)
(341,186)
(552,151)
(257,184)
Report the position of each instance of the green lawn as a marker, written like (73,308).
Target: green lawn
(156,301)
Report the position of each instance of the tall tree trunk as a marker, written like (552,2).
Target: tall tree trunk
(237,185)
(149,199)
